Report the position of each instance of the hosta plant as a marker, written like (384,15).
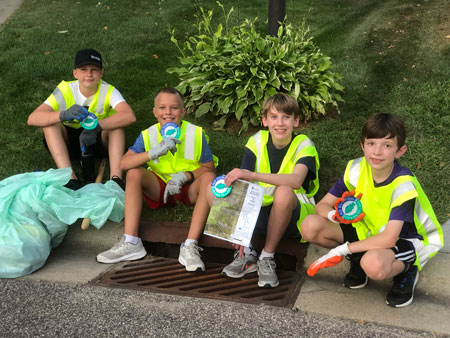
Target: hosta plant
(228,72)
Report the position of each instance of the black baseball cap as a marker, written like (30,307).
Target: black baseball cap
(88,57)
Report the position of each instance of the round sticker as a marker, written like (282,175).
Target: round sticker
(218,187)
(89,122)
(350,208)
(170,129)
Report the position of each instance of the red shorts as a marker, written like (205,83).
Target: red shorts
(183,196)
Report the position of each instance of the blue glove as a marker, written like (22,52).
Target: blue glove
(173,187)
(168,143)
(75,112)
(89,137)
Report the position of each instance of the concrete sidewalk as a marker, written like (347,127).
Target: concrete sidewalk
(7,7)
(74,262)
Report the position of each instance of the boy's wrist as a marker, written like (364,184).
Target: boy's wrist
(191,176)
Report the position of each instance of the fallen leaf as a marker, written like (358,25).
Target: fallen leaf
(155,56)
(441,164)
(391,46)
(447,36)
(413,66)
(147,13)
(105,28)
(405,79)
(46,53)
(418,165)
(62,32)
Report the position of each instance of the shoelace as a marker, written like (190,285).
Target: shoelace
(193,250)
(267,265)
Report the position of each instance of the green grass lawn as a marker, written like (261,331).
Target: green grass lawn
(393,55)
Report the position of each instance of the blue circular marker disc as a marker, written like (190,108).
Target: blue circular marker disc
(218,187)
(350,208)
(171,129)
(89,122)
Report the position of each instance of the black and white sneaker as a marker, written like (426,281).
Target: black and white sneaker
(402,292)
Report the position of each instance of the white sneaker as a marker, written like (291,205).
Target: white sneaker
(190,257)
(122,251)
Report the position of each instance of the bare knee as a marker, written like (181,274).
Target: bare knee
(135,175)
(309,229)
(284,197)
(373,266)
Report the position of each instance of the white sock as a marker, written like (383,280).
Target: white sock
(265,254)
(190,241)
(250,251)
(131,239)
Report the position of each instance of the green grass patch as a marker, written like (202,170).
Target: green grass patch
(393,56)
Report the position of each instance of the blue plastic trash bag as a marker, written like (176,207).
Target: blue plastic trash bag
(36,209)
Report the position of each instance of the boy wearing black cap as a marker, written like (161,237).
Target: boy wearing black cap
(61,113)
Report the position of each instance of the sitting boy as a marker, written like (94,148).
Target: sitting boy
(176,168)
(61,113)
(398,233)
(286,165)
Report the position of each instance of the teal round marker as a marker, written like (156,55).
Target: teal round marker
(89,122)
(218,187)
(171,129)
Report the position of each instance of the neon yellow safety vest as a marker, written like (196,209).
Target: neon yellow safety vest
(62,98)
(187,156)
(300,146)
(378,203)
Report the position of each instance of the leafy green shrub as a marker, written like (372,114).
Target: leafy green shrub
(230,72)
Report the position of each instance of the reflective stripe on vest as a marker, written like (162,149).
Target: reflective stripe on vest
(62,99)
(358,177)
(188,153)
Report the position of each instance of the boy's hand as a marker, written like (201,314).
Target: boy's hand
(75,112)
(236,174)
(333,257)
(173,187)
(350,214)
(168,143)
(89,137)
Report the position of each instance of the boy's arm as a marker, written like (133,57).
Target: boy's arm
(133,160)
(43,116)
(123,117)
(293,180)
(204,168)
(325,205)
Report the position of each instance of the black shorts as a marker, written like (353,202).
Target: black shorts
(73,144)
(292,229)
(404,250)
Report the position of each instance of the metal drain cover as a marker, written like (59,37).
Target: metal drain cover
(166,275)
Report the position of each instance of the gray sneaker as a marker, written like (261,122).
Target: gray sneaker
(122,251)
(190,257)
(266,272)
(240,266)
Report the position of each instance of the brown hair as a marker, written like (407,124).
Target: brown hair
(283,103)
(170,90)
(382,125)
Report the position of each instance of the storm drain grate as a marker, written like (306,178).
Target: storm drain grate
(166,275)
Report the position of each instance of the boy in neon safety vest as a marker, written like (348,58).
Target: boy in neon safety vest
(286,165)
(60,114)
(399,231)
(177,169)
